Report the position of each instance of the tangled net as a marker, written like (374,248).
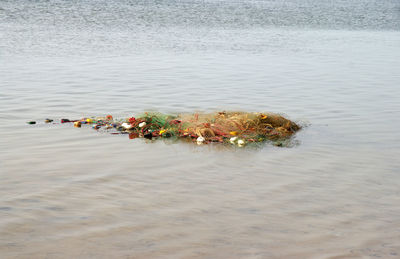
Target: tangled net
(238,128)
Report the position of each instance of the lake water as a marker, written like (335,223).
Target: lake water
(77,193)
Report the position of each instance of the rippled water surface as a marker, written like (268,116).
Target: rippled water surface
(77,193)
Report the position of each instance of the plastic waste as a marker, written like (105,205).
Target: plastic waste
(148,135)
(241,142)
(233,140)
(126,125)
(200,140)
(238,128)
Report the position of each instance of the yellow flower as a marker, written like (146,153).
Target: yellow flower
(233,133)
(162,131)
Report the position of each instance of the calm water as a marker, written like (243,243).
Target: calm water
(75,193)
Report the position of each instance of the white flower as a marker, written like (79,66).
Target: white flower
(142,124)
(240,142)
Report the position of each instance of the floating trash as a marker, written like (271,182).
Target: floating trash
(233,140)
(241,143)
(127,126)
(200,140)
(232,128)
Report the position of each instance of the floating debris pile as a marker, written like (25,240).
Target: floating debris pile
(238,128)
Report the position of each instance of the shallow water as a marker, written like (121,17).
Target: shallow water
(75,193)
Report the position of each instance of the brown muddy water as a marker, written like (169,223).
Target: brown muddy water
(76,193)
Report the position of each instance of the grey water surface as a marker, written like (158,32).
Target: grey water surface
(78,193)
